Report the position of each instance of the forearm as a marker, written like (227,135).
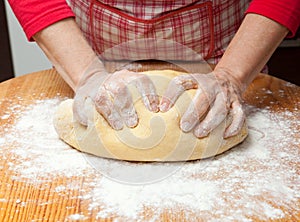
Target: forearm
(251,48)
(67,49)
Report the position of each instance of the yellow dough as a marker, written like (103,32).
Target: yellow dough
(156,138)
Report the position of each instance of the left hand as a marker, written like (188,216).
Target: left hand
(218,96)
(111,96)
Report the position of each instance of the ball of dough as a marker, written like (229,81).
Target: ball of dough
(157,137)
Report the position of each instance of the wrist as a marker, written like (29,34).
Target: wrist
(94,70)
(233,77)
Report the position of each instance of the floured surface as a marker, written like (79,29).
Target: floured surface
(259,179)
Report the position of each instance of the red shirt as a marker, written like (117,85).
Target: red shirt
(285,12)
(35,15)
(118,21)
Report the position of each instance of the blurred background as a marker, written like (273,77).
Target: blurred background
(19,57)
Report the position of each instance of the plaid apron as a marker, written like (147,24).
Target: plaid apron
(160,29)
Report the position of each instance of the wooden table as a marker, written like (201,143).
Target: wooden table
(41,85)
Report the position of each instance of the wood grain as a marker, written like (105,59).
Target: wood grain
(41,85)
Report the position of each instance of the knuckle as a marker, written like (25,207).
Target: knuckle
(178,80)
(120,90)
(185,82)
(144,79)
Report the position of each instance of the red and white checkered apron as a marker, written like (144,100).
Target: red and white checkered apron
(160,29)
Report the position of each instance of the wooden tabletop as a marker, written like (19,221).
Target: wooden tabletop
(42,204)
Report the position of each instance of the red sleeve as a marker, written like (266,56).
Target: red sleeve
(285,12)
(35,15)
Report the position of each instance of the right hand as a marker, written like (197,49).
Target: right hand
(218,96)
(111,96)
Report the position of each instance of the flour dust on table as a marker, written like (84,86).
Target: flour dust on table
(257,179)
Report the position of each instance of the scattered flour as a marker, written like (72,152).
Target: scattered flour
(75,217)
(38,146)
(228,187)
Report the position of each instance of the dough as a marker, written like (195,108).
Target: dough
(156,138)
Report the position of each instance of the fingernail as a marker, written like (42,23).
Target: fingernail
(226,135)
(153,103)
(229,133)
(185,126)
(200,133)
(131,121)
(117,125)
(154,107)
(163,107)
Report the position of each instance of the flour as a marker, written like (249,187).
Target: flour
(74,217)
(228,187)
(38,146)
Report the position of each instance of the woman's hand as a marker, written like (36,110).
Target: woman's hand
(111,96)
(219,93)
(218,96)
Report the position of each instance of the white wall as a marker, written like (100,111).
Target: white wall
(27,56)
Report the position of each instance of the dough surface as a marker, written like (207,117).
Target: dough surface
(156,138)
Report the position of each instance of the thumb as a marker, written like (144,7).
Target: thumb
(79,109)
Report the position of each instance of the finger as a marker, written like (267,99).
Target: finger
(238,119)
(214,117)
(175,88)
(195,111)
(105,107)
(148,92)
(79,110)
(123,103)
